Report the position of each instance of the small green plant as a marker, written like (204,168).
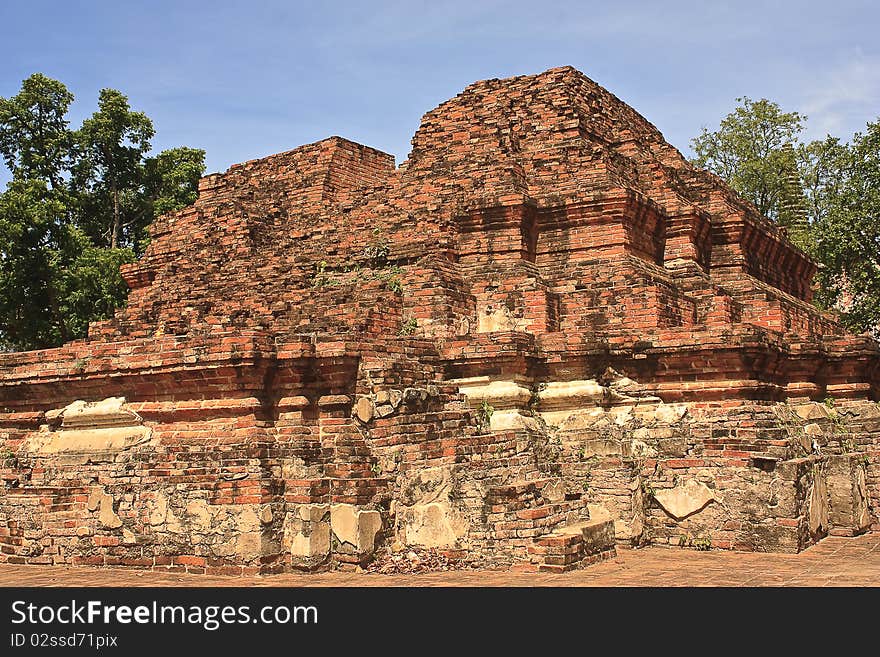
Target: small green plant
(321,278)
(394,285)
(7,458)
(79,364)
(647,489)
(377,252)
(376,469)
(409,326)
(702,544)
(838,424)
(535,399)
(484,413)
(829,402)
(391,277)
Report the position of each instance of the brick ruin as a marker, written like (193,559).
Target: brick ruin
(544,334)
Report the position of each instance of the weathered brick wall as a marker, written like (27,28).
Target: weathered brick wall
(542,331)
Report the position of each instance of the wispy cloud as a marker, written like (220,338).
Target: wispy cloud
(843,96)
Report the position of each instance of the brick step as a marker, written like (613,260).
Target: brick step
(49,500)
(509,492)
(530,494)
(532,514)
(528,514)
(572,546)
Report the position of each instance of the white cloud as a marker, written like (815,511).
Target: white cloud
(842,99)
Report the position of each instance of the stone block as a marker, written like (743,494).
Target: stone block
(848,493)
(685,499)
(355,527)
(434,525)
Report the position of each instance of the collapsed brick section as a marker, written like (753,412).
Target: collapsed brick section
(542,333)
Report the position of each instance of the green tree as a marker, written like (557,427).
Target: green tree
(754,150)
(821,164)
(172,178)
(32,241)
(35,140)
(847,227)
(77,208)
(825,192)
(170,182)
(53,281)
(113,142)
(90,285)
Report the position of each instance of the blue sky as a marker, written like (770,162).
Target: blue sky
(246,79)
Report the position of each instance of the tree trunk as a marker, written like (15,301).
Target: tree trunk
(114,235)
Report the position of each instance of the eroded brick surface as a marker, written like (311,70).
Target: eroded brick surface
(544,320)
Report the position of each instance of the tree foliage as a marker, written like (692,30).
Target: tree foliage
(826,193)
(846,232)
(35,140)
(820,164)
(33,241)
(113,143)
(78,207)
(754,151)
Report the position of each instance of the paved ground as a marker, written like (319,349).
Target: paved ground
(833,562)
